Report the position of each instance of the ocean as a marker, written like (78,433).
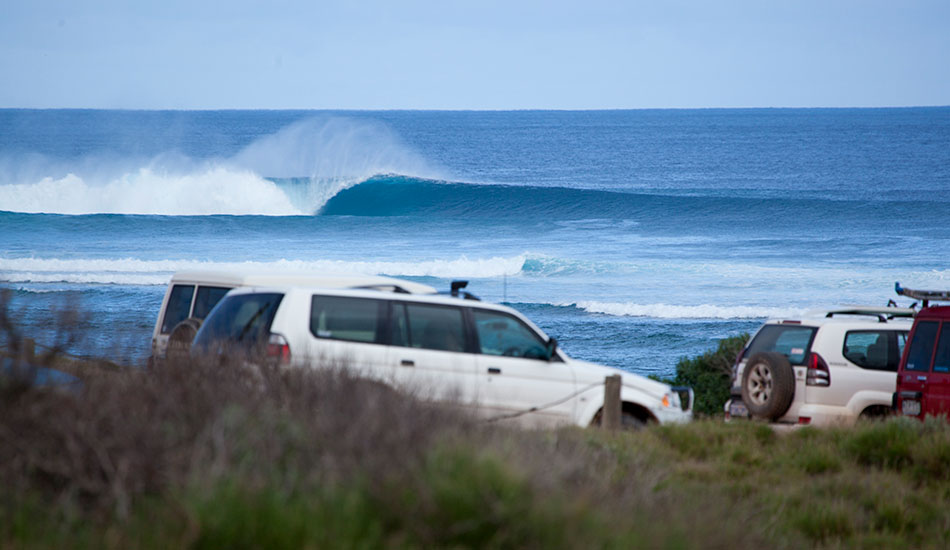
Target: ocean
(634,237)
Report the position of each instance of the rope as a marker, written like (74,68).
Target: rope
(545,406)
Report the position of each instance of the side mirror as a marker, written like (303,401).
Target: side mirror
(549,348)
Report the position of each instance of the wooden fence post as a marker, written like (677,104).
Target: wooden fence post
(611,416)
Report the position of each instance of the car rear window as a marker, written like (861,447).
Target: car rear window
(178,307)
(206,298)
(792,341)
(921,350)
(241,319)
(350,319)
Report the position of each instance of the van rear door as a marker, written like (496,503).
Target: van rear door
(915,378)
(938,391)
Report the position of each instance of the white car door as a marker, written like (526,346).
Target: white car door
(430,352)
(515,376)
(349,332)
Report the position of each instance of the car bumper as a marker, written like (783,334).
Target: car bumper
(673,415)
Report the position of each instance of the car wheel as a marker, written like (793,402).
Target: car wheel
(181,337)
(768,385)
(628,421)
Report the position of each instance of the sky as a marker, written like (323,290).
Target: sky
(483,54)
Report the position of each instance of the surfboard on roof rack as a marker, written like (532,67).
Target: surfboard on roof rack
(924,295)
(882,313)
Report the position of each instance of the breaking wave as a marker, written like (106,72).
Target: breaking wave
(290,173)
(218,190)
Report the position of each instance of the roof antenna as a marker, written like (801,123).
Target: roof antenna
(505,301)
(458,285)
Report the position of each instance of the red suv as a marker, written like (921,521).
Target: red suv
(923,378)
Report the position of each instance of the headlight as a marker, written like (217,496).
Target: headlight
(672,400)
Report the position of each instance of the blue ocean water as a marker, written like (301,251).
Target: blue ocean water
(634,237)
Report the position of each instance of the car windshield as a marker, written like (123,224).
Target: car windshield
(242,320)
(792,341)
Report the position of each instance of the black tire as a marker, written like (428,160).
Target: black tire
(768,385)
(628,421)
(181,337)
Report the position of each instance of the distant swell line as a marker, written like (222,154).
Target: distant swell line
(701,311)
(133,271)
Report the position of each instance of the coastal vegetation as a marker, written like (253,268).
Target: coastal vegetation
(211,454)
(710,374)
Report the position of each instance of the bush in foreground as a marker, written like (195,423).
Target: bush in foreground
(216,454)
(195,454)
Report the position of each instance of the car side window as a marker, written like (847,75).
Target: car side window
(922,346)
(400,326)
(206,298)
(349,319)
(429,327)
(502,334)
(178,307)
(871,349)
(942,357)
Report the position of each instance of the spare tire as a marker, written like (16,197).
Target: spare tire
(181,337)
(768,385)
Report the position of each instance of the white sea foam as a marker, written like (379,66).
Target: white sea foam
(325,156)
(702,311)
(216,190)
(131,271)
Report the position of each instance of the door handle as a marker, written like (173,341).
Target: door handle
(407,363)
(494,370)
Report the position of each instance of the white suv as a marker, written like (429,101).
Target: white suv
(828,368)
(444,348)
(191,295)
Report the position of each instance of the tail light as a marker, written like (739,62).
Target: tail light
(735,366)
(278,349)
(818,373)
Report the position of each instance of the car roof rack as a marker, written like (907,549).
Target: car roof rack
(457,292)
(383,288)
(883,314)
(925,296)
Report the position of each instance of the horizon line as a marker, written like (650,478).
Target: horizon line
(465,110)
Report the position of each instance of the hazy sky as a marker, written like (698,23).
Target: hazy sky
(477,54)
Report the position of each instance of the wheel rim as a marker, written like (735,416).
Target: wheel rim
(760,383)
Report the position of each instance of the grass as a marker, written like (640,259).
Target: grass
(220,454)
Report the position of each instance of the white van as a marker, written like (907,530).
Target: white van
(443,348)
(192,295)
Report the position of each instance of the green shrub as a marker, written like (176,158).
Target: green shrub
(709,374)
(231,516)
